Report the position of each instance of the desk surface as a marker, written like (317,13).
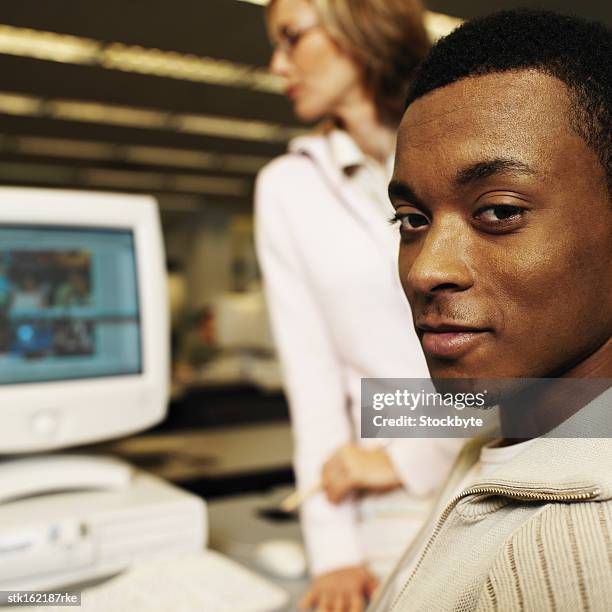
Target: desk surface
(179,456)
(236,527)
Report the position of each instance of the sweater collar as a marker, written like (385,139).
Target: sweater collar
(563,459)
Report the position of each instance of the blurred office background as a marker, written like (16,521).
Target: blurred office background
(173,99)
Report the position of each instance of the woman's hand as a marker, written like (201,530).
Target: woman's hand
(353,469)
(344,590)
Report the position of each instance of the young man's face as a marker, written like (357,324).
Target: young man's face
(506,250)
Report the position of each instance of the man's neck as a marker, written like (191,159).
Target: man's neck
(545,405)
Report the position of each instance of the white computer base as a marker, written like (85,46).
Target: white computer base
(61,538)
(44,474)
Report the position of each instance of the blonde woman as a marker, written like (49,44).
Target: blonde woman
(328,257)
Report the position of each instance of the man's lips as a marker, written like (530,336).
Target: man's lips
(450,341)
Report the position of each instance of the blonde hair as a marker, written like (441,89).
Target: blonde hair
(386,38)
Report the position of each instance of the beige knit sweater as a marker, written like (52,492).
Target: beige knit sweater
(534,536)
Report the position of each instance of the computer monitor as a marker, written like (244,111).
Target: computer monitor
(83,318)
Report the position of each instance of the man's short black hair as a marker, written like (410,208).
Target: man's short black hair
(577,52)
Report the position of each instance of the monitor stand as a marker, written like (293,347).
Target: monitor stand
(43,474)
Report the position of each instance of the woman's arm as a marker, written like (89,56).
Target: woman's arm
(312,373)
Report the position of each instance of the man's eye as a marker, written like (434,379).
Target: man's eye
(500,214)
(411,221)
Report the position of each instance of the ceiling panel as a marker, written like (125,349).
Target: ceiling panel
(106,133)
(57,80)
(216,28)
(219,29)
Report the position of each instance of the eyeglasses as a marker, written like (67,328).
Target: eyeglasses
(289,38)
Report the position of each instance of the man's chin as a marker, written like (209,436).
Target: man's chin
(458,384)
(446,369)
(464,376)
(495,383)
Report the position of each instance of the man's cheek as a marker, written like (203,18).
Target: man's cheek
(537,311)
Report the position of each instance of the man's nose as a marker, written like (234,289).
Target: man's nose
(442,264)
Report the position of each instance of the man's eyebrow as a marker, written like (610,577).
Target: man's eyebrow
(484,169)
(398,190)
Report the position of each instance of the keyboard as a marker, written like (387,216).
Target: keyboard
(197,582)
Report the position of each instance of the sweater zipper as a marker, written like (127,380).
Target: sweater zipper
(497,490)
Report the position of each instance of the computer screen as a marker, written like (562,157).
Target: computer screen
(68,304)
(83,318)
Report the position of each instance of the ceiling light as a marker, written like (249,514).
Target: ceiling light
(187,67)
(137,154)
(16,104)
(28,174)
(26,42)
(153,181)
(233,128)
(50,46)
(161,156)
(94,112)
(135,117)
(124,179)
(61,147)
(439,24)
